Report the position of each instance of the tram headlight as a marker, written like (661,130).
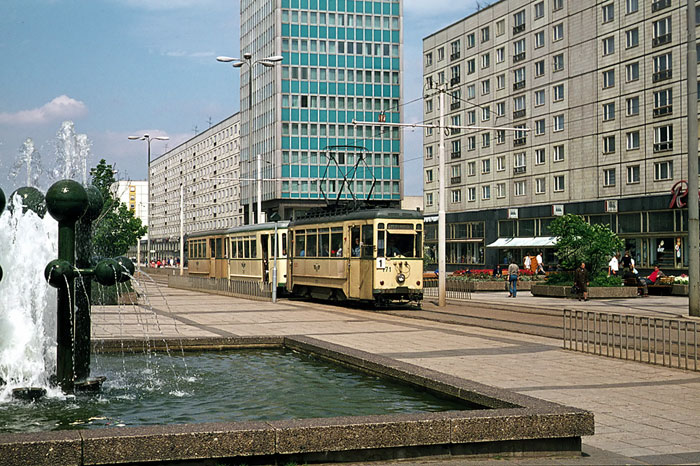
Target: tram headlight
(400,278)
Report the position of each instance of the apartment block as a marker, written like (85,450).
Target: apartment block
(582,109)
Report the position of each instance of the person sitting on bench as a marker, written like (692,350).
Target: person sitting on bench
(653,277)
(631,276)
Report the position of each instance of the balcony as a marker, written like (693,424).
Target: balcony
(663,146)
(661,40)
(660,5)
(665,110)
(456,155)
(454,81)
(519,141)
(518,85)
(519,170)
(518,57)
(519,114)
(661,75)
(456,180)
(455,105)
(518,29)
(455,56)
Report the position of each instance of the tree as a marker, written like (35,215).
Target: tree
(116,229)
(579,241)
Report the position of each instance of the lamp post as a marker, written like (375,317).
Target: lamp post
(267,62)
(148,138)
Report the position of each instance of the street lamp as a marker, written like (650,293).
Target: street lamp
(148,138)
(267,62)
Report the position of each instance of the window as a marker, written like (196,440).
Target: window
(632,140)
(486,60)
(455,120)
(471,66)
(539,39)
(609,45)
(608,12)
(485,87)
(500,109)
(558,183)
(455,49)
(428,105)
(500,27)
(520,188)
(609,111)
(441,54)
(500,81)
(557,5)
(539,156)
(471,168)
(519,78)
(428,199)
(558,92)
(609,177)
(428,59)
(456,149)
(500,54)
(500,163)
(471,91)
(558,123)
(456,171)
(539,10)
(633,174)
(663,138)
(539,127)
(500,190)
(663,102)
(539,68)
(539,97)
(455,75)
(471,143)
(486,113)
(485,140)
(558,32)
(519,106)
(486,192)
(519,22)
(662,67)
(632,6)
(456,196)
(663,170)
(500,136)
(558,62)
(471,40)
(608,144)
(540,186)
(662,32)
(608,78)
(471,117)
(558,153)
(485,34)
(518,50)
(486,166)
(520,162)
(429,176)
(429,152)
(632,71)
(632,37)
(471,194)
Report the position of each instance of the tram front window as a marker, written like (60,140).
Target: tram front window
(400,245)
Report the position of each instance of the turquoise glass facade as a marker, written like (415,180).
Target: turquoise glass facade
(342,63)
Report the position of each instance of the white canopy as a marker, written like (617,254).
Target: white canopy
(529,242)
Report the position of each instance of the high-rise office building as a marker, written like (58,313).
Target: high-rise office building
(602,88)
(342,62)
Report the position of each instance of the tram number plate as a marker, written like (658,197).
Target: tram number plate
(381,264)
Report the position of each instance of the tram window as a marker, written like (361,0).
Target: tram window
(400,245)
(355,246)
(367,240)
(246,249)
(240,248)
(324,242)
(232,247)
(218,248)
(380,242)
(299,242)
(212,248)
(337,242)
(284,244)
(419,244)
(311,245)
(253,248)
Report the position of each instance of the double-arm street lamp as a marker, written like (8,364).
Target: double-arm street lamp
(267,62)
(148,138)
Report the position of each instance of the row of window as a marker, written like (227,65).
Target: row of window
(332,130)
(342,158)
(340,47)
(340,75)
(340,19)
(338,103)
(334,186)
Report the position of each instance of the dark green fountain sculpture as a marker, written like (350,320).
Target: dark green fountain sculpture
(67,202)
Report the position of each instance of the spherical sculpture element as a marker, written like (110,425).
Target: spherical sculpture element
(95,203)
(58,272)
(32,199)
(66,200)
(2,201)
(126,267)
(108,272)
(0,281)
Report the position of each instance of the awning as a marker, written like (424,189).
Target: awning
(529,242)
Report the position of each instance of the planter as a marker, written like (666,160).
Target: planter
(680,290)
(601,292)
(498,285)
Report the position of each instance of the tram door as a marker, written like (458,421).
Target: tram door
(354,263)
(264,240)
(212,258)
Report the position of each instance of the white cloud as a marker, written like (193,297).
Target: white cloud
(60,108)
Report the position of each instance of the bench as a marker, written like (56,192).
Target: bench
(634,282)
(656,288)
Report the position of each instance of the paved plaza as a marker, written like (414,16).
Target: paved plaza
(644,414)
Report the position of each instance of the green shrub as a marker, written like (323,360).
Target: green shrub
(560,278)
(602,279)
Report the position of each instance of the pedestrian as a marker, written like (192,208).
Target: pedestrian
(527,262)
(613,265)
(513,274)
(626,261)
(540,263)
(581,282)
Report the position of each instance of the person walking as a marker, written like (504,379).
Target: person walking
(613,265)
(540,263)
(527,262)
(581,282)
(513,274)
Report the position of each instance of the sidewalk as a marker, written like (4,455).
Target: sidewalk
(649,414)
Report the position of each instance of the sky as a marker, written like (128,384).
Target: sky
(128,67)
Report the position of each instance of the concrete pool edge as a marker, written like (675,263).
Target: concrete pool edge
(514,424)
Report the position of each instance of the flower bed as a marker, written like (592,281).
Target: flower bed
(594,292)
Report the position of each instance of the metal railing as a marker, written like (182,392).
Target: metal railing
(454,289)
(249,289)
(652,340)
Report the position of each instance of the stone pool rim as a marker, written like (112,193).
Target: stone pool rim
(512,424)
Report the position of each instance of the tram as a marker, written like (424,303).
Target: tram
(207,254)
(365,255)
